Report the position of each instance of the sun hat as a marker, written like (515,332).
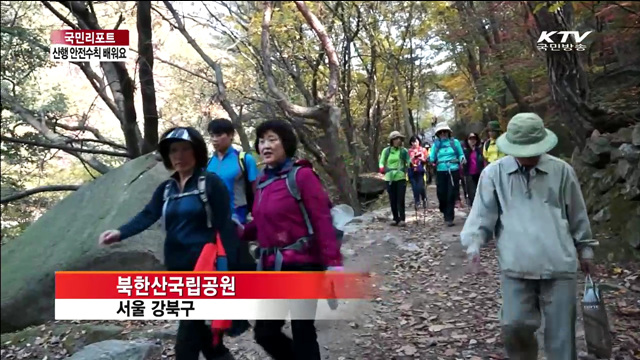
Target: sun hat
(526,136)
(395,135)
(442,126)
(494,126)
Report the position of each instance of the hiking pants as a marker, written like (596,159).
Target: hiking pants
(418,188)
(472,185)
(523,304)
(447,192)
(397,191)
(304,345)
(195,336)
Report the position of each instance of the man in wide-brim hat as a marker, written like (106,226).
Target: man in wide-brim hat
(532,203)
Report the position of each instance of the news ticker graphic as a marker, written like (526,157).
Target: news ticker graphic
(89,45)
(208,295)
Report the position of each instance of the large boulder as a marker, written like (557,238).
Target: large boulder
(66,238)
(371,184)
(119,350)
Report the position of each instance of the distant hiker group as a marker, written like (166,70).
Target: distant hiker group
(448,160)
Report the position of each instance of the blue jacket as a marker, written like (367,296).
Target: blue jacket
(186,222)
(446,153)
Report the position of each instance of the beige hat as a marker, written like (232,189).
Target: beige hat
(395,135)
(442,126)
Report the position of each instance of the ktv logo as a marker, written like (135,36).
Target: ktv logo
(545,42)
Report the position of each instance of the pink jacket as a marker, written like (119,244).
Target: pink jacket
(278,221)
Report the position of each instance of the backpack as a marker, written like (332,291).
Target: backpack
(453,146)
(404,157)
(201,191)
(292,186)
(248,189)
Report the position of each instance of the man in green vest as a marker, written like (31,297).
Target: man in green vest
(394,163)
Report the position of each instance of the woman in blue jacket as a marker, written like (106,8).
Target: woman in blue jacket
(446,156)
(189,226)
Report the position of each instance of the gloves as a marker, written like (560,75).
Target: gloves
(382,171)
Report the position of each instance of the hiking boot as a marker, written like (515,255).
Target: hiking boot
(394,223)
(402,224)
(450,223)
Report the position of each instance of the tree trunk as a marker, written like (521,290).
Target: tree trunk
(325,114)
(569,84)
(147,87)
(406,117)
(119,81)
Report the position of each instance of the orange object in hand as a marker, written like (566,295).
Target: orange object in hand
(207,261)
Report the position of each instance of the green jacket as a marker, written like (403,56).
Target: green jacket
(397,163)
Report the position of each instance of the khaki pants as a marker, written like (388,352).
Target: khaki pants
(523,303)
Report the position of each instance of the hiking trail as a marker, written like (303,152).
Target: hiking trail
(430,305)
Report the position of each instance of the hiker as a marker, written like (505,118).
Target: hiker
(427,166)
(417,172)
(446,155)
(237,169)
(534,204)
(491,151)
(279,223)
(189,224)
(394,163)
(474,165)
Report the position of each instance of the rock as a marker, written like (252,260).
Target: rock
(623,136)
(119,350)
(606,178)
(602,216)
(624,169)
(92,333)
(371,184)
(631,190)
(66,238)
(626,151)
(597,152)
(631,233)
(635,135)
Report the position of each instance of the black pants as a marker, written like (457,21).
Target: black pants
(303,346)
(397,191)
(194,336)
(418,188)
(472,184)
(447,192)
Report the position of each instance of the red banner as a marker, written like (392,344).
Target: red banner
(204,285)
(90,37)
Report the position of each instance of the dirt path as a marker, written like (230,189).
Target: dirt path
(429,306)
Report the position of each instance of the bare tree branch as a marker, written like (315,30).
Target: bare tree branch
(63,147)
(59,15)
(9,103)
(281,98)
(37,190)
(222,91)
(327,45)
(181,68)
(82,127)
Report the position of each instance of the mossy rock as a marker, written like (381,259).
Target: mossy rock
(65,238)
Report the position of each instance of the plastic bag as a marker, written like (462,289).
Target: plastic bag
(596,322)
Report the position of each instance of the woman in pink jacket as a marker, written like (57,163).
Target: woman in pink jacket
(280,228)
